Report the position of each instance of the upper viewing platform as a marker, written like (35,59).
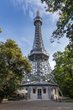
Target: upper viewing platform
(37,18)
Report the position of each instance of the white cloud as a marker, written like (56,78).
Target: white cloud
(52,64)
(55,16)
(32,6)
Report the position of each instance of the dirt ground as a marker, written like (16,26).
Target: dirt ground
(36,105)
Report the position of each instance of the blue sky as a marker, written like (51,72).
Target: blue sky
(16,20)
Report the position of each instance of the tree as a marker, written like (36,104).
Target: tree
(65,22)
(0,30)
(12,68)
(64,60)
(63,70)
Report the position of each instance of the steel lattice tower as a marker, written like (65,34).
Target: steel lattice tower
(38,56)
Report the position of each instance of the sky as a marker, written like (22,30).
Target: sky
(16,21)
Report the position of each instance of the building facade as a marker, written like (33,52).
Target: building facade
(40,83)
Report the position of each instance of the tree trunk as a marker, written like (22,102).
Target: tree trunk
(1,96)
(1,99)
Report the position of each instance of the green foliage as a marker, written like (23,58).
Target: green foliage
(12,67)
(0,30)
(65,22)
(64,60)
(63,70)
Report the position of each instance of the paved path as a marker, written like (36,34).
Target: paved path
(36,105)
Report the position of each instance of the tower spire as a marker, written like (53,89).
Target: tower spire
(38,41)
(37,13)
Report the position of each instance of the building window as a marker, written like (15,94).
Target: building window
(34,91)
(44,91)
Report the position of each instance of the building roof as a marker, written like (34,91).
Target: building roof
(41,83)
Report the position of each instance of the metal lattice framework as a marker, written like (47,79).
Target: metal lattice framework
(38,56)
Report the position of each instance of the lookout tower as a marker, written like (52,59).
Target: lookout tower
(38,55)
(41,84)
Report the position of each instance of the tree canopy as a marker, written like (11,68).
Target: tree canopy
(0,30)
(13,65)
(63,70)
(65,22)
